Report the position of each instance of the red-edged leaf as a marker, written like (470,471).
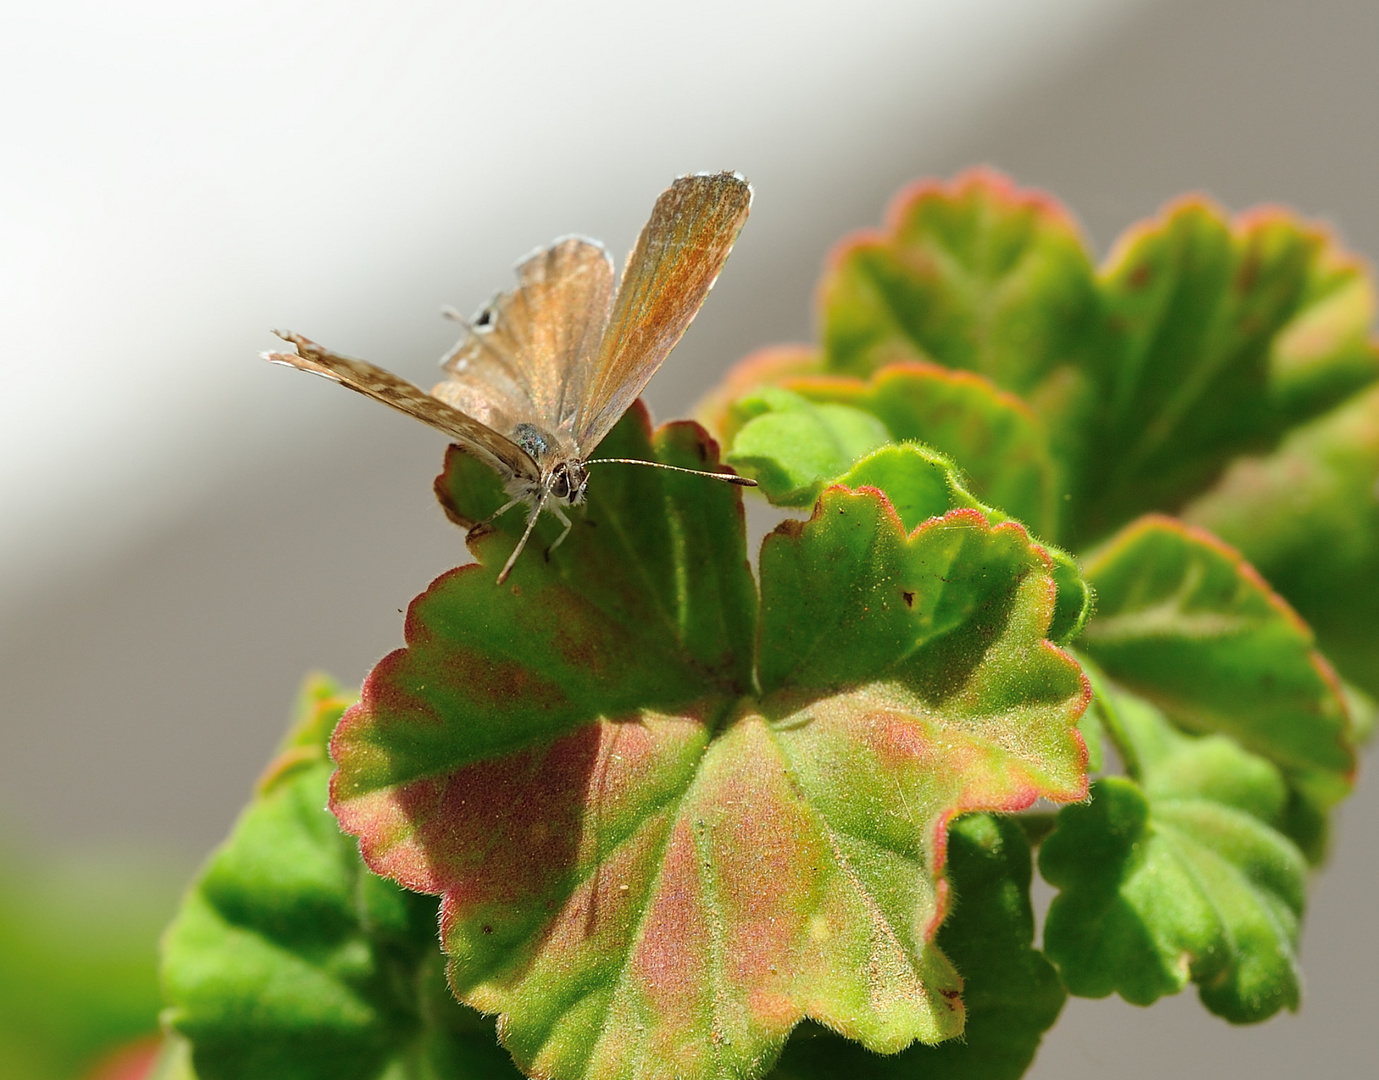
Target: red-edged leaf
(1185,621)
(996,438)
(1012,993)
(1221,334)
(1307,516)
(974,274)
(648,876)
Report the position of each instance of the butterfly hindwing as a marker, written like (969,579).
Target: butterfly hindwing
(526,358)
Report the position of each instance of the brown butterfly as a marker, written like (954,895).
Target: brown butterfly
(545,371)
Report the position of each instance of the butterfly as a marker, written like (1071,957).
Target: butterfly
(545,370)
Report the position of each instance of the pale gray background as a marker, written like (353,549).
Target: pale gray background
(184,531)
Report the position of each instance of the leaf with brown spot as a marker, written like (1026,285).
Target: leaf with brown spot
(660,849)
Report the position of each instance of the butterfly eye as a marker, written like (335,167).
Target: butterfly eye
(559,484)
(567,481)
(579,480)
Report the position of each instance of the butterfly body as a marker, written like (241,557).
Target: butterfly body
(562,476)
(545,370)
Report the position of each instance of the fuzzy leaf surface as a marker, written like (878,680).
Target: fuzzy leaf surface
(1183,620)
(1307,516)
(663,840)
(289,959)
(793,446)
(921,484)
(1181,877)
(1011,991)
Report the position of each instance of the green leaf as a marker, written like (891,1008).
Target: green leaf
(647,863)
(855,598)
(774,365)
(78,979)
(1307,515)
(1364,714)
(1183,877)
(1185,621)
(792,446)
(1202,338)
(974,274)
(1011,992)
(996,438)
(921,484)
(672,598)
(1222,334)
(289,959)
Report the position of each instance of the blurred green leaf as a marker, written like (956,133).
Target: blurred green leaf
(174,1061)
(1222,334)
(78,980)
(1307,516)
(1203,338)
(975,275)
(289,959)
(1184,621)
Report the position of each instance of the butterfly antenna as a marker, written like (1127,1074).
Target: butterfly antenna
(731,478)
(531,524)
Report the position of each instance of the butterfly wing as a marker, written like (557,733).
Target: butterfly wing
(526,357)
(669,273)
(504,456)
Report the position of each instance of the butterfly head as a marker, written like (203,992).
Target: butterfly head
(566,480)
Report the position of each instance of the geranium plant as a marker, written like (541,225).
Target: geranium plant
(1104,539)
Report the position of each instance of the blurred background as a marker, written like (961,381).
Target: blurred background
(184,530)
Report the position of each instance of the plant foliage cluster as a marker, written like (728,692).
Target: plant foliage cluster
(1107,538)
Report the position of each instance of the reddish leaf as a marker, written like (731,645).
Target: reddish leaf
(644,867)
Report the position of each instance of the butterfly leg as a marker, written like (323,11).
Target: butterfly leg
(531,524)
(560,514)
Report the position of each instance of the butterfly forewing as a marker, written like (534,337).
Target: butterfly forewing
(527,357)
(504,456)
(671,269)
